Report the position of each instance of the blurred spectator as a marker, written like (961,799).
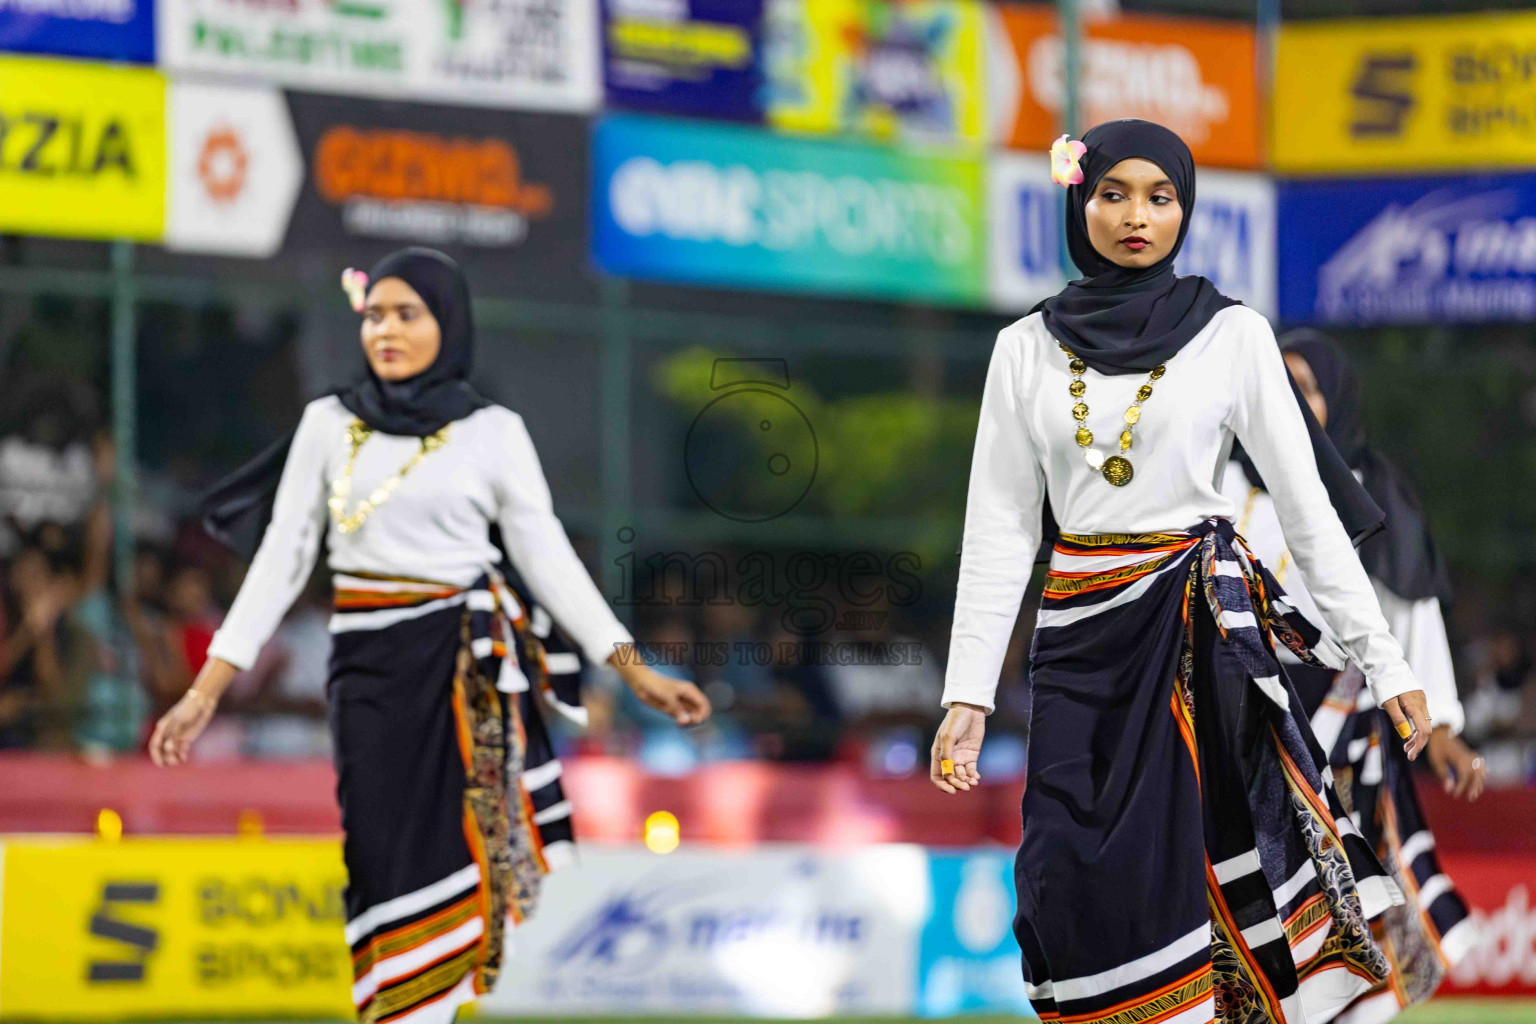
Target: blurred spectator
(800,718)
(48,472)
(880,676)
(287,708)
(191,620)
(1501,709)
(42,655)
(671,647)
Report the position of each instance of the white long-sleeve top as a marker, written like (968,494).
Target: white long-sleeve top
(1419,626)
(1228,381)
(434,527)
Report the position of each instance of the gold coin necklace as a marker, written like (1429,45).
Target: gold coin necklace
(1116,468)
(341,488)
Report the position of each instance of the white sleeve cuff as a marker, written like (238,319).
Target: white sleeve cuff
(954,692)
(239,651)
(1395,682)
(600,649)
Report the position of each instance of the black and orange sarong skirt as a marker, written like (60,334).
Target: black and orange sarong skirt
(1185,857)
(450,793)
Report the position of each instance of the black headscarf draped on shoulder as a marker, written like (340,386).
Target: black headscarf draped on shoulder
(236,511)
(1403,556)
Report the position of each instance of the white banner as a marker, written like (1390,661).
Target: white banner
(528,54)
(234,169)
(1231,239)
(770,932)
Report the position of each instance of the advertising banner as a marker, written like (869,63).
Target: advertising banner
(1405,93)
(912,69)
(147,928)
(769,932)
(970,962)
(82,149)
(699,57)
(1193,75)
(104,29)
(234,169)
(740,207)
(501,191)
(1409,250)
(1231,238)
(1501,891)
(532,54)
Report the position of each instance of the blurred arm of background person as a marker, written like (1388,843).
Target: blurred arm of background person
(1420,626)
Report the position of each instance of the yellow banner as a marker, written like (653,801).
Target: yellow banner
(92,930)
(1405,94)
(82,149)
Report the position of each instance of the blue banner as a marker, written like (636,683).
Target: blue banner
(103,29)
(969,961)
(1408,250)
(699,57)
(737,206)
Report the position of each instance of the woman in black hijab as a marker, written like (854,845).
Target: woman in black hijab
(1185,856)
(1431,931)
(450,795)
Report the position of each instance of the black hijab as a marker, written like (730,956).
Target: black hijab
(1129,319)
(236,511)
(1403,556)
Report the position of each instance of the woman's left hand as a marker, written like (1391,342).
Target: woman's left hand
(1456,764)
(683,701)
(1410,708)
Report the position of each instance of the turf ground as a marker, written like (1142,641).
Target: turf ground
(1444,1011)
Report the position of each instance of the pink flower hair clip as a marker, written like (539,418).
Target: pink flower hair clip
(355,284)
(1065,169)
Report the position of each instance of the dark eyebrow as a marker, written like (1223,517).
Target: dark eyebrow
(1116,181)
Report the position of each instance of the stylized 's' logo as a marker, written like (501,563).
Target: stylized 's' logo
(1383,93)
(139,940)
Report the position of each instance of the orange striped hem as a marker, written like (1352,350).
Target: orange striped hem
(402,940)
(1173,998)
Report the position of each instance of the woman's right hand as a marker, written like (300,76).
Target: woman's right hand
(959,742)
(1411,709)
(171,743)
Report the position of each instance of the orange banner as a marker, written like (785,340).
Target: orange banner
(1196,76)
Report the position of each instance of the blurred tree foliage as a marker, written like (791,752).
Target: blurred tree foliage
(881,454)
(1455,408)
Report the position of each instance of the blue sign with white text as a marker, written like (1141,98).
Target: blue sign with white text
(1409,250)
(698,57)
(969,960)
(102,29)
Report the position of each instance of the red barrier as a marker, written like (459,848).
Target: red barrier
(729,803)
(1501,889)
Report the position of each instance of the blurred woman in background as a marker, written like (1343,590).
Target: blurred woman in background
(450,795)
(1430,932)
(1184,855)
